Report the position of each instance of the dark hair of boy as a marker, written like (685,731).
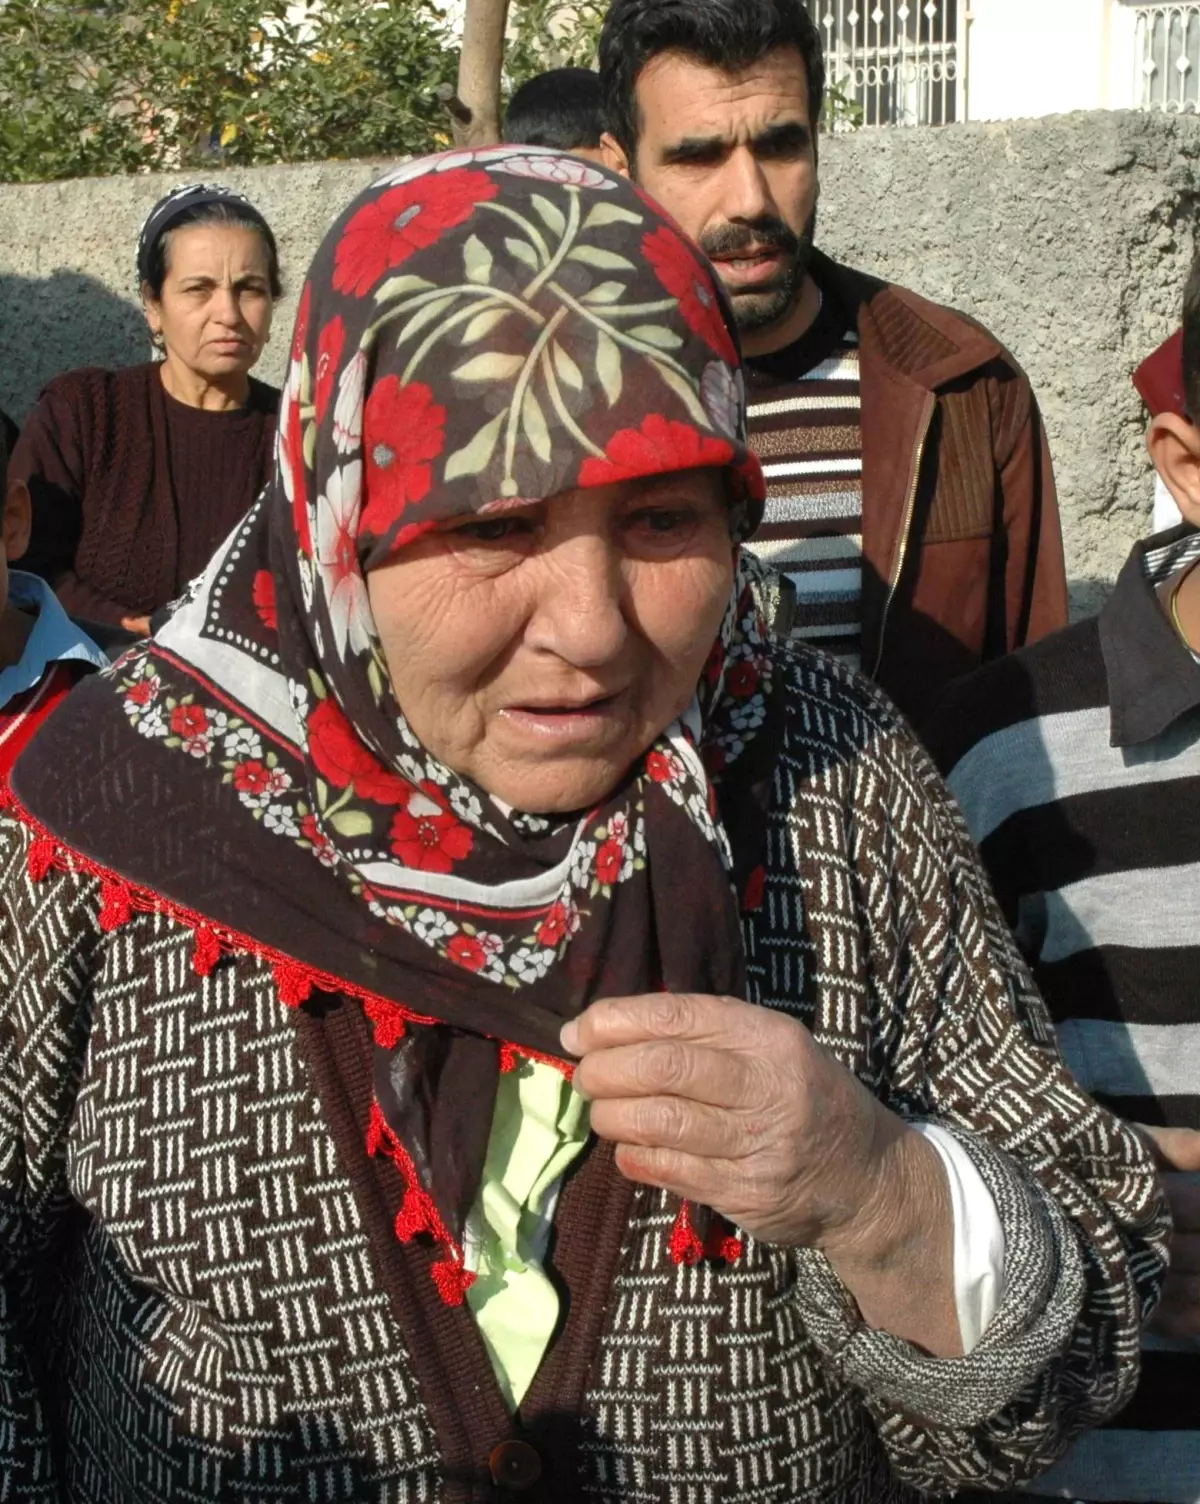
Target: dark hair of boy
(562,109)
(728,34)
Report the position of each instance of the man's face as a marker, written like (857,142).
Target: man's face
(731,155)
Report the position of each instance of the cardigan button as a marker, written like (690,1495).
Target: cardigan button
(515,1466)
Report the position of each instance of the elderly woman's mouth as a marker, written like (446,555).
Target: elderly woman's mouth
(568,720)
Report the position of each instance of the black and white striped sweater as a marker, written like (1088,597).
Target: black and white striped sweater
(201,1297)
(1077,763)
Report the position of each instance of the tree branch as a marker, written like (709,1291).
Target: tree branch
(479,68)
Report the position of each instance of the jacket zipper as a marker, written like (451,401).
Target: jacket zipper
(909,510)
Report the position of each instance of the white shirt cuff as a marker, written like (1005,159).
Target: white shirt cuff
(978,1238)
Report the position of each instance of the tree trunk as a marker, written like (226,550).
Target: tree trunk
(479,70)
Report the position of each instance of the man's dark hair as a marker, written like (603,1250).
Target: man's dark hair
(562,109)
(1191,342)
(726,34)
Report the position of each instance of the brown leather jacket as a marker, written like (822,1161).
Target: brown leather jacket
(962,548)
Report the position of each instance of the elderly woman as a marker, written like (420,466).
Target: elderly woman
(137,475)
(480,1020)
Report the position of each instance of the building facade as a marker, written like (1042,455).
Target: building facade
(930,62)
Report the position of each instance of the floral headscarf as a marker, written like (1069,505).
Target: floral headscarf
(476,328)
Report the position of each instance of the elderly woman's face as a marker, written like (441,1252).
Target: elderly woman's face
(542,651)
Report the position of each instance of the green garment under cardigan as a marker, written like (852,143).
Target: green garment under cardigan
(539,1129)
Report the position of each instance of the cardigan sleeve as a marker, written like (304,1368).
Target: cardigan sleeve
(51,458)
(971,1048)
(43,1028)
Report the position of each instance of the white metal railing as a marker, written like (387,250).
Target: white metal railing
(1168,57)
(894,62)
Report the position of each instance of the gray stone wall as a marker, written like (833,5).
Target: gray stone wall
(1069,237)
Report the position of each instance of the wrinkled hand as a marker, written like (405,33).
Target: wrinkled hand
(737,1108)
(1177,1154)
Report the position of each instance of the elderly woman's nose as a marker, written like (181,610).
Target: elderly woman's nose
(580,612)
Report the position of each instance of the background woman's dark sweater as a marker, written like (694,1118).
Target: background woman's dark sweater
(132,490)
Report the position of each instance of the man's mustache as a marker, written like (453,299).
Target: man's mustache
(729,239)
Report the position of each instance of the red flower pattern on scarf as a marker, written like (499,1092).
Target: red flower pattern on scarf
(663,767)
(684,278)
(341,758)
(608,862)
(303,314)
(560,922)
(466,951)
(320,842)
(404,432)
(329,360)
(189,720)
(293,458)
(426,835)
(388,230)
(253,777)
(659,446)
(742,680)
(264,599)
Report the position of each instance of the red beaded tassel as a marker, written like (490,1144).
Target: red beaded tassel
(418,1214)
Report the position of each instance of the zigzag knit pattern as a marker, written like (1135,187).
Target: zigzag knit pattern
(190,1308)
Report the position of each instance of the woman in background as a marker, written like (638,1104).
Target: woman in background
(136,475)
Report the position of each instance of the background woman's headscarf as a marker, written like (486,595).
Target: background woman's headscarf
(182,202)
(476,329)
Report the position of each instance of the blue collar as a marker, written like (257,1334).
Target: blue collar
(54,638)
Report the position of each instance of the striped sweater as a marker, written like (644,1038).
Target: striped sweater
(1077,763)
(805,426)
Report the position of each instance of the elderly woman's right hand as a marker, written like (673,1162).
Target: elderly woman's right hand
(1177,1154)
(739,1108)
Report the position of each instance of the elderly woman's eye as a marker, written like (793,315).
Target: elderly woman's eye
(665,522)
(495,529)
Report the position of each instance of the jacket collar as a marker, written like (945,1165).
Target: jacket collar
(1153,679)
(920,342)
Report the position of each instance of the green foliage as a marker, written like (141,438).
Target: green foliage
(552,34)
(842,111)
(113,86)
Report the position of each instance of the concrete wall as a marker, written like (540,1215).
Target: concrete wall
(1069,237)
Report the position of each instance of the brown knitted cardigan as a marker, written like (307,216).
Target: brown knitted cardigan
(202,1296)
(132,491)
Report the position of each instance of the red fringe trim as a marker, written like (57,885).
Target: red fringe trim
(121,900)
(207,951)
(688,1247)
(418,1214)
